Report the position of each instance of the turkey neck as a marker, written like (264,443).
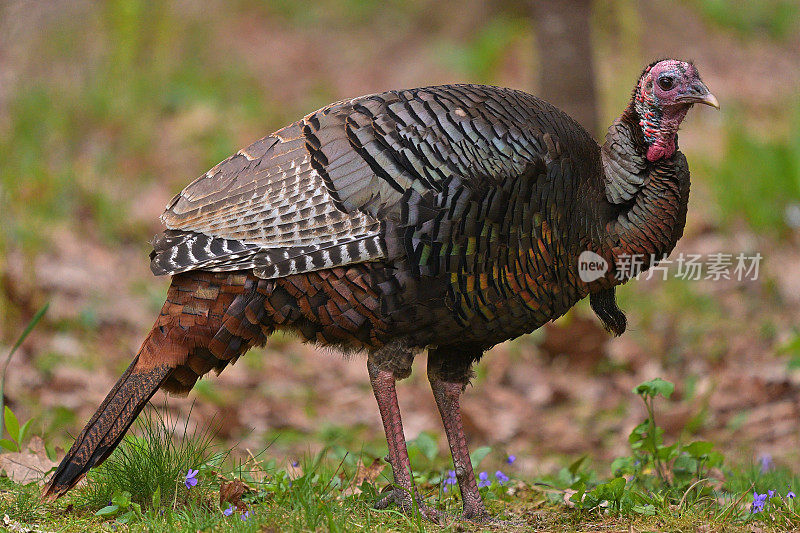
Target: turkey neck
(649,223)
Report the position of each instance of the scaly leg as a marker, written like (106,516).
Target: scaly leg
(383,385)
(448,375)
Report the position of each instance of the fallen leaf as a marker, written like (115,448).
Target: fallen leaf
(29,466)
(567,498)
(232,492)
(364,474)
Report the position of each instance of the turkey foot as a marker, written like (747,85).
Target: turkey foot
(406,503)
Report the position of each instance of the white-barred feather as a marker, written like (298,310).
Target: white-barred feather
(317,193)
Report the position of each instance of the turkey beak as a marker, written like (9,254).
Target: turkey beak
(709,99)
(698,93)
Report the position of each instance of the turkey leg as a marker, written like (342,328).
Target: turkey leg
(448,380)
(383,385)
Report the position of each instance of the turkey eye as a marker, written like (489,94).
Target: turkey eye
(666,82)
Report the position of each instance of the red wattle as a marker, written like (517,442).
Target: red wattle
(658,150)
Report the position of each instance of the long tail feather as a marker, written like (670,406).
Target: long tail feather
(173,357)
(208,320)
(108,425)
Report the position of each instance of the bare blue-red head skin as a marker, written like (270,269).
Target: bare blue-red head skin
(663,96)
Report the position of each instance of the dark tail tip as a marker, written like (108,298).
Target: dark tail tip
(107,427)
(65,477)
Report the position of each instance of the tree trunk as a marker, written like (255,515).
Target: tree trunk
(566,74)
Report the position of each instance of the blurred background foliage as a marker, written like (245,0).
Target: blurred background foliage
(108,109)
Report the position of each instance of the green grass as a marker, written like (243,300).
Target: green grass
(659,485)
(152,461)
(142,486)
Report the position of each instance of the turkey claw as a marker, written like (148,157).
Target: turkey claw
(404,501)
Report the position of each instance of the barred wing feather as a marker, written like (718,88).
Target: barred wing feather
(321,192)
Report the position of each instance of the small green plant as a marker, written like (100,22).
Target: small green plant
(677,467)
(654,476)
(123,508)
(8,419)
(156,468)
(16,432)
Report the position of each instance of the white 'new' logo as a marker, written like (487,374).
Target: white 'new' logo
(591,266)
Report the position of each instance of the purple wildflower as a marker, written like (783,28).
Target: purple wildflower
(510,459)
(295,463)
(228,511)
(191,478)
(758,502)
(245,515)
(483,480)
(790,494)
(766,463)
(449,480)
(771,493)
(501,477)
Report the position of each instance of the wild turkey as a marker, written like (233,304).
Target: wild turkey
(445,218)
